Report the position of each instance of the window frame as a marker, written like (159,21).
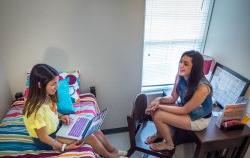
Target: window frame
(160,87)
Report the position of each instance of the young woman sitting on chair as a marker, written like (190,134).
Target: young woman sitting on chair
(195,108)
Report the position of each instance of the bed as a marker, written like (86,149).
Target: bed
(15,141)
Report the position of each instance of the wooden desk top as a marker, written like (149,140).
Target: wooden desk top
(213,133)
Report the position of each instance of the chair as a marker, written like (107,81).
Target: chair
(211,142)
(140,127)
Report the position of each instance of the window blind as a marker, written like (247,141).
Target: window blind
(171,27)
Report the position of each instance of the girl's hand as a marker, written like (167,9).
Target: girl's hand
(65,119)
(151,110)
(153,106)
(148,110)
(73,146)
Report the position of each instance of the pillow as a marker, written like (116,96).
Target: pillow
(64,104)
(27,84)
(74,84)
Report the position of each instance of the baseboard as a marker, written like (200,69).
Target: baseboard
(115,130)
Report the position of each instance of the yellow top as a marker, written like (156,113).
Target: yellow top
(44,117)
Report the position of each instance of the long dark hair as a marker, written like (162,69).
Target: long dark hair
(196,73)
(40,76)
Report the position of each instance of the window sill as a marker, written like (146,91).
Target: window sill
(156,89)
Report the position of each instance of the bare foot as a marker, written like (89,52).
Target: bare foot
(112,155)
(161,146)
(122,153)
(114,151)
(119,152)
(152,139)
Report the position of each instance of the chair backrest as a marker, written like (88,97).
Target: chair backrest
(139,127)
(139,107)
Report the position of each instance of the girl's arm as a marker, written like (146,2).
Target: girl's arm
(163,100)
(197,99)
(173,97)
(45,138)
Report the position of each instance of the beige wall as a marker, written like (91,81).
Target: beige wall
(229,36)
(5,95)
(102,38)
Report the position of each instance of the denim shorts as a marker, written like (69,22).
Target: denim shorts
(43,146)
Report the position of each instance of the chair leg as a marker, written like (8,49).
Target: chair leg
(131,151)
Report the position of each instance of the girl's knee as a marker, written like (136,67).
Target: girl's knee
(157,115)
(91,138)
(161,116)
(99,133)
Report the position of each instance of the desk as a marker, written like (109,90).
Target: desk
(213,142)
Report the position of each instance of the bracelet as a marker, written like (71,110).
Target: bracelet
(63,147)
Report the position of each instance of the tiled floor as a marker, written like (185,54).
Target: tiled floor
(121,141)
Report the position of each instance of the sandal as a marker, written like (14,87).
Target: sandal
(153,139)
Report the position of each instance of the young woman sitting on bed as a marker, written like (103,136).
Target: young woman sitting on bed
(195,108)
(42,121)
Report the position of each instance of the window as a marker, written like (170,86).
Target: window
(171,27)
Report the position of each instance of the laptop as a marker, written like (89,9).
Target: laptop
(81,127)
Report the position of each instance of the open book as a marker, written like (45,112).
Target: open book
(232,115)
